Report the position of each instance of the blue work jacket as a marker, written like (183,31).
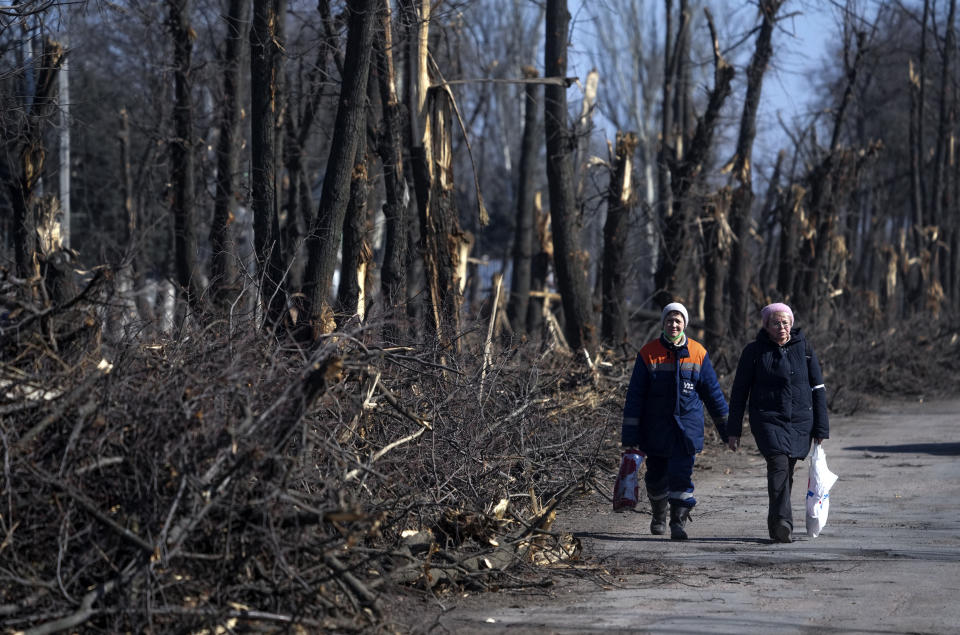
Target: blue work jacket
(663,412)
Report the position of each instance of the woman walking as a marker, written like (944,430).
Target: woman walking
(663,417)
(779,377)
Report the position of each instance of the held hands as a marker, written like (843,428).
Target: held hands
(733,443)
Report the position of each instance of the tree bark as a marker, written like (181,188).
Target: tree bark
(416,17)
(539,268)
(183,158)
(133,270)
(942,190)
(445,244)
(770,224)
(620,200)
(323,241)
(822,180)
(357,254)
(944,121)
(742,202)
(789,265)
(25,157)
(919,182)
(665,153)
(717,239)
(299,122)
(393,273)
(223,270)
(678,248)
(266,42)
(568,258)
(523,230)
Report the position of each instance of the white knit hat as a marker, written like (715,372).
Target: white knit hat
(679,308)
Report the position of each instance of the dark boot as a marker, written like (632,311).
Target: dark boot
(782,531)
(658,526)
(679,515)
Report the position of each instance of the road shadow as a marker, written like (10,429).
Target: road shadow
(641,538)
(936,449)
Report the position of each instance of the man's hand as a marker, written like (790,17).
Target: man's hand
(733,443)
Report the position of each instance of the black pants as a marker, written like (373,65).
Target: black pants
(779,485)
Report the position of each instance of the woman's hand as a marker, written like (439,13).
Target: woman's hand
(733,443)
(817,440)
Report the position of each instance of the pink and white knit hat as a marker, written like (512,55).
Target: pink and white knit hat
(776,307)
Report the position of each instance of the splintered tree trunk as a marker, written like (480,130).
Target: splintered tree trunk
(665,151)
(717,238)
(918,93)
(523,235)
(444,241)
(671,150)
(539,268)
(416,17)
(266,42)
(299,119)
(742,203)
(620,199)
(788,266)
(570,262)
(133,270)
(770,222)
(323,241)
(916,146)
(825,192)
(357,254)
(182,158)
(25,156)
(223,271)
(393,273)
(942,190)
(953,291)
(678,248)
(126,176)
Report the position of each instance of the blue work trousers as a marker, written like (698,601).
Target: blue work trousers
(671,477)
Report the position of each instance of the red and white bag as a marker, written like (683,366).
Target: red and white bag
(627,487)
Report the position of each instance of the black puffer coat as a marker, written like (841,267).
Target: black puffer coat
(787,398)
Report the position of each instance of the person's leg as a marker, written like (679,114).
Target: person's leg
(680,477)
(779,482)
(658,488)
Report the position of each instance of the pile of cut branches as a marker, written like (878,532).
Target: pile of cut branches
(219,478)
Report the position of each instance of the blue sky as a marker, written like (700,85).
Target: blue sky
(800,44)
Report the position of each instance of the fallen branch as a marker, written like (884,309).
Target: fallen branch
(92,508)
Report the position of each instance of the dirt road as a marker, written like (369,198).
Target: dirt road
(888,560)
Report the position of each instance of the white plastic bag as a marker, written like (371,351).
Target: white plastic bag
(819,482)
(626,489)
